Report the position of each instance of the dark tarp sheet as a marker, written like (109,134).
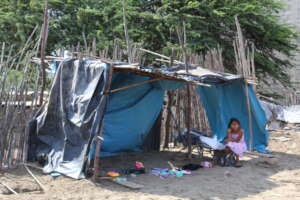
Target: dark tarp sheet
(64,128)
(223,102)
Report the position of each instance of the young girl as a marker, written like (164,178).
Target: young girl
(235,140)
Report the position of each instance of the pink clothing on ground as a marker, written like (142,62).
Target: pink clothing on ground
(237,147)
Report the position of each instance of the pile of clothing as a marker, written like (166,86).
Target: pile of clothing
(166,172)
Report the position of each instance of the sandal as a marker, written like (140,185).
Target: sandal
(238,165)
(227,160)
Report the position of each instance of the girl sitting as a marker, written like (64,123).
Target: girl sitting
(235,142)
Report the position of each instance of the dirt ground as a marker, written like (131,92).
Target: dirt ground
(260,178)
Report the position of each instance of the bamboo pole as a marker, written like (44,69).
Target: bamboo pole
(127,35)
(134,85)
(85,43)
(9,188)
(178,118)
(44,38)
(2,57)
(168,119)
(35,178)
(249,115)
(97,155)
(182,40)
(244,65)
(160,55)
(13,103)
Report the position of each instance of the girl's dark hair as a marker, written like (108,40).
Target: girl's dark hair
(233,120)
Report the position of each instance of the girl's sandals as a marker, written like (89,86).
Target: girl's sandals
(229,160)
(238,165)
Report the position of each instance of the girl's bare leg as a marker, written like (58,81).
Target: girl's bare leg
(238,162)
(237,159)
(227,150)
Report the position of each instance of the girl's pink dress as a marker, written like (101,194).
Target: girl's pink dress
(237,147)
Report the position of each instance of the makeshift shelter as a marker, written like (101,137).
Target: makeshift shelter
(122,101)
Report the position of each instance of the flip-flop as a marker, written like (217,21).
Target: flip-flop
(222,161)
(227,160)
(238,165)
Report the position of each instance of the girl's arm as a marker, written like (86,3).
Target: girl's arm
(229,138)
(240,136)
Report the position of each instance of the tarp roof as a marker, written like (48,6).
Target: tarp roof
(196,75)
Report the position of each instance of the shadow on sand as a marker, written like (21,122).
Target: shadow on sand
(207,184)
(252,178)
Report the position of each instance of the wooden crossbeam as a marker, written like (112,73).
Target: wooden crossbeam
(134,85)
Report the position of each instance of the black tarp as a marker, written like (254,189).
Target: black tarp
(65,127)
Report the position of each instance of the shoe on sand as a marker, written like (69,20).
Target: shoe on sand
(238,165)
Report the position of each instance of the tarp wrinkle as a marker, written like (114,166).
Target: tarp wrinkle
(64,128)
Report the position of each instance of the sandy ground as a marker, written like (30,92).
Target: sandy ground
(260,178)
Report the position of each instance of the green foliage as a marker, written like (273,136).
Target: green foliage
(152,24)
(13,78)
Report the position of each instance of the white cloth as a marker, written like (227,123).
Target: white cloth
(212,142)
(290,114)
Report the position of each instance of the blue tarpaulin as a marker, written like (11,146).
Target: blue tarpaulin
(131,113)
(223,102)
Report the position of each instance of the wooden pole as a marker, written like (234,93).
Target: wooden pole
(244,62)
(35,178)
(9,188)
(43,51)
(182,40)
(188,121)
(97,155)
(168,120)
(169,110)
(178,114)
(127,35)
(133,85)
(249,115)
(160,55)
(99,136)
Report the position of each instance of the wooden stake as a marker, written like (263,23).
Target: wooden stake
(9,188)
(188,120)
(35,178)
(33,166)
(160,55)
(168,119)
(85,42)
(127,35)
(97,155)
(43,51)
(249,116)
(99,141)
(244,65)
(182,41)
(178,114)
(172,166)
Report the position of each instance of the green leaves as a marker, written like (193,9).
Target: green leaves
(152,23)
